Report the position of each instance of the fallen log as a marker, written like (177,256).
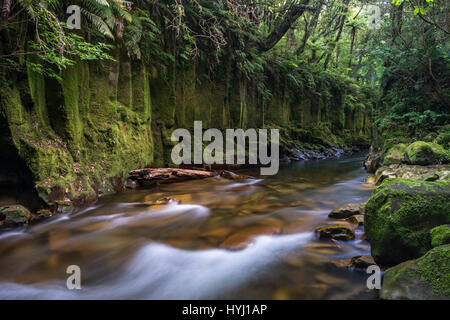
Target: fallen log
(150,176)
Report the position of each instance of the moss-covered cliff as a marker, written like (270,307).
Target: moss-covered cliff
(79,137)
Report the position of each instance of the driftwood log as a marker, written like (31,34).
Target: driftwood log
(150,176)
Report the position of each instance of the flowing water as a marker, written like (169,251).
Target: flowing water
(226,239)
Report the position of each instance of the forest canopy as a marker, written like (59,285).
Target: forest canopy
(398,47)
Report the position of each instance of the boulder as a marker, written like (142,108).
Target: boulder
(14,215)
(395,154)
(348,210)
(336,232)
(426,278)
(424,153)
(399,216)
(440,235)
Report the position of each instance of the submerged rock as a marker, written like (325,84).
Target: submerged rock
(399,216)
(348,210)
(242,238)
(158,204)
(14,215)
(423,153)
(233,176)
(440,235)
(336,232)
(425,278)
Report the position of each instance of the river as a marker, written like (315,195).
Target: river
(225,239)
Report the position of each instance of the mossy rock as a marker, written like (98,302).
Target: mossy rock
(399,216)
(426,278)
(395,155)
(424,153)
(440,235)
(14,215)
(336,232)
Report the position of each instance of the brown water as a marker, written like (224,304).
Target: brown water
(129,249)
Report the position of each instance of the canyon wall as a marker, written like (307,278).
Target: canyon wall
(76,138)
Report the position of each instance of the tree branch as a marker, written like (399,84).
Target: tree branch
(284,23)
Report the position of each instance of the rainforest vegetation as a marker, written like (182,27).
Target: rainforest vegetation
(86,98)
(330,73)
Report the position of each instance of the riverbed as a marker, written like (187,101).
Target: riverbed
(203,239)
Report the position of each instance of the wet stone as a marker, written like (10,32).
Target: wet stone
(336,232)
(356,220)
(347,210)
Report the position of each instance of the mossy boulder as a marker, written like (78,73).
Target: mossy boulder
(424,153)
(399,216)
(14,215)
(395,155)
(426,278)
(440,235)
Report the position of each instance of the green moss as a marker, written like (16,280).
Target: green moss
(423,153)
(434,269)
(36,84)
(425,278)
(95,146)
(440,235)
(73,124)
(399,216)
(395,155)
(14,215)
